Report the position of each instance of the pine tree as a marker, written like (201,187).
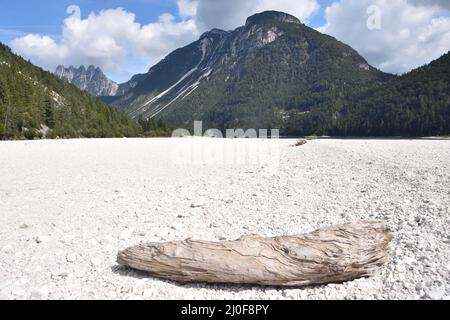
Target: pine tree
(49,113)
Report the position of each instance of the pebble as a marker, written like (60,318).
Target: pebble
(148,293)
(18,292)
(8,249)
(435,293)
(137,291)
(80,272)
(96,262)
(71,257)
(200,203)
(176,226)
(93,242)
(126,234)
(42,239)
(36,295)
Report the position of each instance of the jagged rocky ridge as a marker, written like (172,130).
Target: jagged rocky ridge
(95,82)
(91,80)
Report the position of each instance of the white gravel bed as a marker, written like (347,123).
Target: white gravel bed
(67,207)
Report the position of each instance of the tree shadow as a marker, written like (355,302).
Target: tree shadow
(236,288)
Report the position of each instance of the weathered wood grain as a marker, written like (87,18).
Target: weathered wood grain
(330,255)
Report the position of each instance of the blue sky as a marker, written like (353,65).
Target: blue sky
(20,17)
(128,41)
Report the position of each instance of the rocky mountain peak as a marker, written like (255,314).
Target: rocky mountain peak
(90,79)
(270,17)
(214,33)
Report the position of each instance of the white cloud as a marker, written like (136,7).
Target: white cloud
(109,39)
(233,13)
(43,46)
(187,8)
(411,34)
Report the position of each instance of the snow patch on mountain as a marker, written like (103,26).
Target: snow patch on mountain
(183,94)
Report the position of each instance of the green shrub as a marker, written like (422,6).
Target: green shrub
(30,134)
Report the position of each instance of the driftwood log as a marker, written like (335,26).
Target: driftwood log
(330,255)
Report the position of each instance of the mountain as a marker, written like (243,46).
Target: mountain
(90,79)
(124,88)
(258,76)
(36,103)
(415,104)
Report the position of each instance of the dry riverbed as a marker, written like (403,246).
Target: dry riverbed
(67,207)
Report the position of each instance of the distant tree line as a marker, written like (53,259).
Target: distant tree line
(155,128)
(415,104)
